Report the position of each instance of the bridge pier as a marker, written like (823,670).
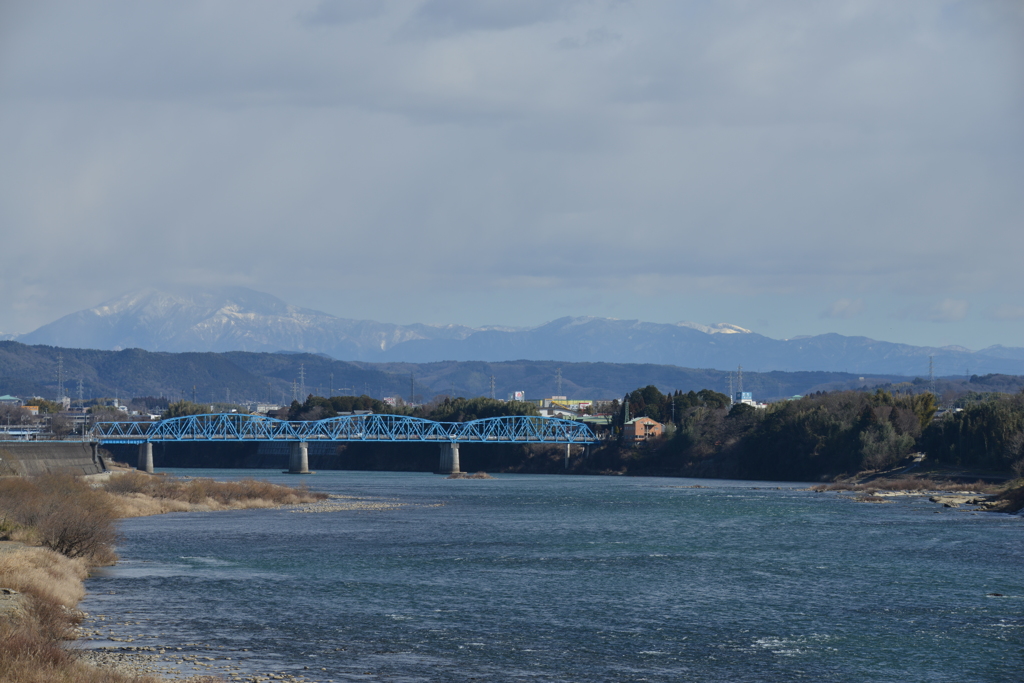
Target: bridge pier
(449,458)
(298,457)
(146,457)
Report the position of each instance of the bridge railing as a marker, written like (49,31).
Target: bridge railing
(371,427)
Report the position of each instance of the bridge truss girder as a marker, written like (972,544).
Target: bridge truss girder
(233,427)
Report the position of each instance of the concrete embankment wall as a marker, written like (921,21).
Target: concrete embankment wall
(28,458)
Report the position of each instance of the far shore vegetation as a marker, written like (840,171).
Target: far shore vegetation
(55,527)
(898,433)
(856,440)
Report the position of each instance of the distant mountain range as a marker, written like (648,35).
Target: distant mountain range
(239,319)
(241,376)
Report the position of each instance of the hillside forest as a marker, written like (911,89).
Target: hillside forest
(817,437)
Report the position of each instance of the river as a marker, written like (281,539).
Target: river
(564,578)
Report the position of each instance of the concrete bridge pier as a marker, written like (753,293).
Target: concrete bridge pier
(146,457)
(298,457)
(449,458)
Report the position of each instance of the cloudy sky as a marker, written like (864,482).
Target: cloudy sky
(854,166)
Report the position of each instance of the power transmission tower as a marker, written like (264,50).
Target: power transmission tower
(492,387)
(332,385)
(302,380)
(412,388)
(558,381)
(81,401)
(739,380)
(931,374)
(60,377)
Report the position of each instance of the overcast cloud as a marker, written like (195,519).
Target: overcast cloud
(790,167)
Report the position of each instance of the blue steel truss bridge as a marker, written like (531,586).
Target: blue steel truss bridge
(234,428)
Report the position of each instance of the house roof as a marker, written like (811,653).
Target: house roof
(643,418)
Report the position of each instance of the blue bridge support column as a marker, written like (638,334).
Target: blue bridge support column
(298,458)
(146,457)
(449,458)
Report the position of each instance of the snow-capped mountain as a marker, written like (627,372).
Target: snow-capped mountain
(239,319)
(226,319)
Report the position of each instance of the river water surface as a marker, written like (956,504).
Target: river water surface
(562,578)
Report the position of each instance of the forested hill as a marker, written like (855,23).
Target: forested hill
(33,370)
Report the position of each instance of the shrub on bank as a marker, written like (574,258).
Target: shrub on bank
(62,513)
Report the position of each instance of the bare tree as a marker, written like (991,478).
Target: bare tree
(14,415)
(61,425)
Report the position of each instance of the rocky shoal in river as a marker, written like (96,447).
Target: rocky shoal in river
(193,661)
(982,502)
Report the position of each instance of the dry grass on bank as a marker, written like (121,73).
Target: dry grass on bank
(36,622)
(138,494)
(44,574)
(76,526)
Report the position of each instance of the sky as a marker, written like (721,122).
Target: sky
(795,168)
